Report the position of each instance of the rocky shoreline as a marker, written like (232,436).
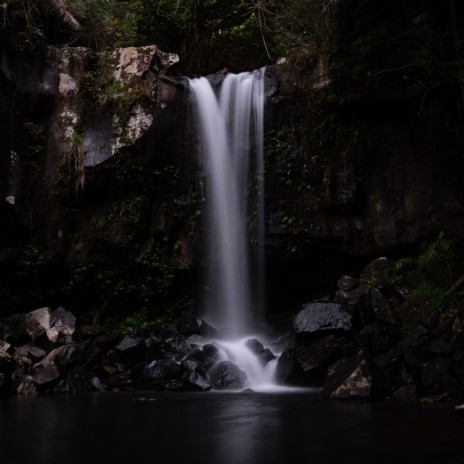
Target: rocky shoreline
(353,345)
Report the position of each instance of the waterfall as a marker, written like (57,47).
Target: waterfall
(231,126)
(231,138)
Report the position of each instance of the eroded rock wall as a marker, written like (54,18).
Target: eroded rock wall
(94,181)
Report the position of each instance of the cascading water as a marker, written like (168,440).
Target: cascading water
(231,120)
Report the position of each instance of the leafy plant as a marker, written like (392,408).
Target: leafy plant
(439,254)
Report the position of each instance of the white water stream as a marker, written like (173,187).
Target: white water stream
(231,124)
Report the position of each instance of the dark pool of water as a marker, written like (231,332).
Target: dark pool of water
(225,428)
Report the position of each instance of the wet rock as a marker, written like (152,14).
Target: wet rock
(54,366)
(382,310)
(45,374)
(58,325)
(354,378)
(263,354)
(194,377)
(26,387)
(105,342)
(129,350)
(157,373)
(226,376)
(377,338)
(315,358)
(195,381)
(97,384)
(6,369)
(172,385)
(65,356)
(176,347)
(320,317)
(31,352)
(289,370)
(38,322)
(62,326)
(207,356)
(5,346)
(349,291)
(191,323)
(405,393)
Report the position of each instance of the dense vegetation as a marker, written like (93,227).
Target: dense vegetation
(211,33)
(408,53)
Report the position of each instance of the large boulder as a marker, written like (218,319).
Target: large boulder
(315,358)
(319,317)
(354,378)
(159,374)
(288,369)
(38,322)
(226,376)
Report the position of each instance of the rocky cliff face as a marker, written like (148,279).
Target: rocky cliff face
(388,174)
(99,180)
(92,182)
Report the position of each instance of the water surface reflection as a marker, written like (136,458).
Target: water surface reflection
(221,428)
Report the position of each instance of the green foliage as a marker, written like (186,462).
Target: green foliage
(106,23)
(439,255)
(426,279)
(144,321)
(428,294)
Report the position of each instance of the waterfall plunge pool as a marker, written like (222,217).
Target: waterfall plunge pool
(219,428)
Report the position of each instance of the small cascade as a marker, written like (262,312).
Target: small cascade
(260,375)
(231,131)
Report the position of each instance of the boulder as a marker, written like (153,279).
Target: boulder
(349,291)
(382,309)
(31,352)
(157,374)
(378,272)
(194,377)
(288,369)
(62,326)
(176,347)
(318,317)
(193,380)
(26,386)
(354,378)
(226,376)
(129,350)
(263,354)
(58,325)
(6,369)
(38,322)
(405,393)
(191,323)
(315,358)
(45,374)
